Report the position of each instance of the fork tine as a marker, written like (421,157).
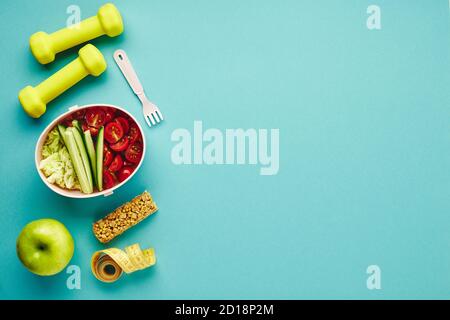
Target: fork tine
(159,114)
(147,120)
(151,119)
(155,115)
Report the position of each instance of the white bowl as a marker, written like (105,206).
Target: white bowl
(75,193)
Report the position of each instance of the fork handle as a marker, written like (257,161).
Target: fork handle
(127,69)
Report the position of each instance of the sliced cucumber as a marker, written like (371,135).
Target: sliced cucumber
(77,162)
(77,125)
(84,156)
(91,153)
(99,154)
(62,131)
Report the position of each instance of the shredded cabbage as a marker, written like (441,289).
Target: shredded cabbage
(56,164)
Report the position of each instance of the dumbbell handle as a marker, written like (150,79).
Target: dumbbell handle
(67,38)
(62,80)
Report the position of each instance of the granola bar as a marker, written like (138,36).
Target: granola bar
(124,217)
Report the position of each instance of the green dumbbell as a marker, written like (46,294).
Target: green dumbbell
(34,99)
(107,21)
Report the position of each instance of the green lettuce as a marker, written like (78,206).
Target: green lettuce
(56,164)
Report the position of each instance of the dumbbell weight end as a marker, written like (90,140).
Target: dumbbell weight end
(31,102)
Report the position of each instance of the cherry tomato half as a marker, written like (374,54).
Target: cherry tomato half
(113,132)
(109,180)
(124,123)
(109,114)
(79,115)
(85,127)
(134,152)
(116,164)
(95,117)
(107,157)
(133,133)
(124,173)
(120,146)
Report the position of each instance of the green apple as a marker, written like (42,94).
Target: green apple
(45,247)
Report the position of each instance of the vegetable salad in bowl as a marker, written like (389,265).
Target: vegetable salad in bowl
(93,149)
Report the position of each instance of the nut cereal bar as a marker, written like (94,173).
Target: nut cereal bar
(124,217)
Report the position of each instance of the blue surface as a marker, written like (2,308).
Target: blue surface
(364,149)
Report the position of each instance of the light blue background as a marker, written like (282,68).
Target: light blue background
(364,125)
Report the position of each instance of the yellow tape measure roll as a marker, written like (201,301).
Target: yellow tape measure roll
(109,264)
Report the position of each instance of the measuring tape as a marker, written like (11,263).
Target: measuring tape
(109,264)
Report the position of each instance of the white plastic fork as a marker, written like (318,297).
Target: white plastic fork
(152,114)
